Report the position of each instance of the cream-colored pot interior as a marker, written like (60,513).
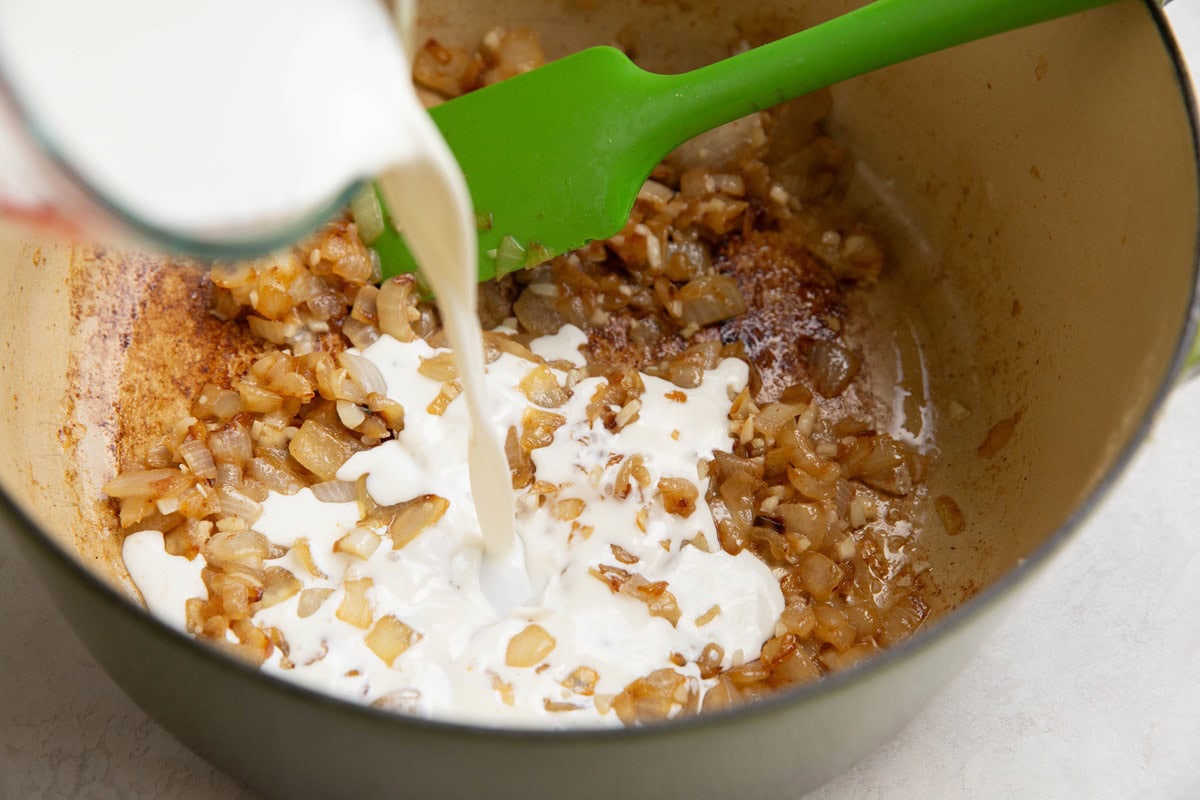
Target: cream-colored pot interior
(1038,192)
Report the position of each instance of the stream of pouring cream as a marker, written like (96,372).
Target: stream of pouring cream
(430,195)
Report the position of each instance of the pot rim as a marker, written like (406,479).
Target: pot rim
(780,700)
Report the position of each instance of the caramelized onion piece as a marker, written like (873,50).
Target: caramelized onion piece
(390,638)
(231,444)
(582,681)
(541,388)
(679,496)
(659,601)
(396,305)
(568,508)
(519,462)
(364,372)
(303,551)
(710,660)
(335,491)
(231,549)
(819,575)
(273,474)
(652,698)
(415,516)
(359,542)
(449,71)
(538,313)
(311,601)
(950,515)
(278,585)
(451,390)
(143,483)
(321,450)
(440,367)
(355,608)
(529,647)
(832,367)
(538,428)
(216,403)
(709,299)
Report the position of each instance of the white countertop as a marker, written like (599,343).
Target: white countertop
(1091,689)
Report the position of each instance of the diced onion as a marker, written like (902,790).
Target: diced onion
(540,387)
(445,397)
(350,414)
(278,585)
(236,504)
(368,214)
(568,509)
(391,411)
(245,548)
(273,475)
(359,542)
(415,516)
(652,697)
(355,608)
(711,657)
(538,427)
(679,496)
(656,193)
(393,304)
(311,600)
(709,299)
(582,681)
(440,367)
(335,491)
(833,367)
(141,483)
(365,308)
(950,515)
(303,552)
(273,331)
(361,334)
(529,647)
(538,254)
(167,505)
(819,575)
(659,602)
(198,458)
(402,701)
(217,403)
(389,638)
(510,257)
(232,443)
(320,449)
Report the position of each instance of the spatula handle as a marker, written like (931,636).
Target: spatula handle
(877,35)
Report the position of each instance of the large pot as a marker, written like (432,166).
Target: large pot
(1039,192)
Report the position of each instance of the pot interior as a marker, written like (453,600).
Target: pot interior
(1038,194)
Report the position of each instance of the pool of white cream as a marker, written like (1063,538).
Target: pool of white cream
(457,667)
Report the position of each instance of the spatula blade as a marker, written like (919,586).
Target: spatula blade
(548,159)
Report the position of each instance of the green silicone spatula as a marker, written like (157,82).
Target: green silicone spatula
(555,158)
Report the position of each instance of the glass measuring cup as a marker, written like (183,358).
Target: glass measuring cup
(46,185)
